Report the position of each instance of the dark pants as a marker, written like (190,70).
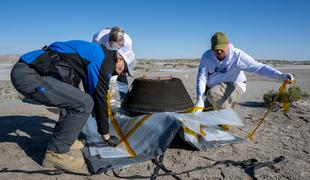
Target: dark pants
(75,105)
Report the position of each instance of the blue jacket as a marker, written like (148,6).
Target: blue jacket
(94,64)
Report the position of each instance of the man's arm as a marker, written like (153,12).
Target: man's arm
(100,109)
(201,81)
(100,93)
(247,63)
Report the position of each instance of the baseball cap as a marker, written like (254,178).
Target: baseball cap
(219,41)
(116,38)
(130,59)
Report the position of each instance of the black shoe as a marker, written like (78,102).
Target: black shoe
(112,141)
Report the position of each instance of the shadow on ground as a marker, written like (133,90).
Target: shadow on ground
(253,104)
(30,101)
(178,143)
(31,133)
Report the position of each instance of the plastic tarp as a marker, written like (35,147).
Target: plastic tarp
(202,129)
(149,135)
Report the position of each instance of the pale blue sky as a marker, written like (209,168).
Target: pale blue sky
(265,29)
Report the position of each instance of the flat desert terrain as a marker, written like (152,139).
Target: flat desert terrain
(25,129)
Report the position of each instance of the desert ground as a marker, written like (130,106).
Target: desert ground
(25,129)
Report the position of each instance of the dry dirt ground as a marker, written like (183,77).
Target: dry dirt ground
(25,129)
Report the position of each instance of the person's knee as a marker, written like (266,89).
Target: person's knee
(86,104)
(215,98)
(220,102)
(216,104)
(89,103)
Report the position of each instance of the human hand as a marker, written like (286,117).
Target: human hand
(199,105)
(288,77)
(110,140)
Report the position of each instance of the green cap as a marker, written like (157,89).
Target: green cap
(219,41)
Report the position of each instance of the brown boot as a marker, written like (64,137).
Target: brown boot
(77,145)
(65,161)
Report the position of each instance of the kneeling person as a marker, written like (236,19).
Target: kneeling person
(221,80)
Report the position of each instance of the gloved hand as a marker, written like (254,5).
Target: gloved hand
(112,141)
(200,104)
(288,77)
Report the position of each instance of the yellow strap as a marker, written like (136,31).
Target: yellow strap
(225,127)
(285,95)
(286,102)
(204,126)
(195,109)
(130,133)
(202,131)
(118,128)
(191,132)
(282,90)
(131,122)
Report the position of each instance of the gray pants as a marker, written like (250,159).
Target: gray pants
(75,105)
(223,95)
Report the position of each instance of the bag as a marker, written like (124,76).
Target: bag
(66,73)
(52,64)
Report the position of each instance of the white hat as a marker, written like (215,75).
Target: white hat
(129,57)
(103,37)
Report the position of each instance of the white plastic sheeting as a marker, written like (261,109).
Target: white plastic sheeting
(136,138)
(146,133)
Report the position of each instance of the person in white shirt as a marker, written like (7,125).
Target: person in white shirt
(221,80)
(116,39)
(113,38)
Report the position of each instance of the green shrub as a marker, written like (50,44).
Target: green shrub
(295,93)
(269,96)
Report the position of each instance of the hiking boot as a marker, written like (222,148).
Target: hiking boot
(65,161)
(77,145)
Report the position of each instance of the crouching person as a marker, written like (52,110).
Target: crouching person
(221,80)
(51,76)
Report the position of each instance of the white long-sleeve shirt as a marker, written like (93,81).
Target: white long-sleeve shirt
(102,37)
(212,71)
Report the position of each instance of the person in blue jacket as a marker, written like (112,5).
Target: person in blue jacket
(51,76)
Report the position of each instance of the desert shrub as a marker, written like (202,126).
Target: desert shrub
(295,93)
(269,97)
(149,63)
(192,65)
(167,64)
(138,67)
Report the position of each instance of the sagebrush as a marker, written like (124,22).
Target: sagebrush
(294,93)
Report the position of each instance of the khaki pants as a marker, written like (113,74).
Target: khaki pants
(223,95)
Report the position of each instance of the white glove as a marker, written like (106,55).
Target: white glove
(200,103)
(288,77)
